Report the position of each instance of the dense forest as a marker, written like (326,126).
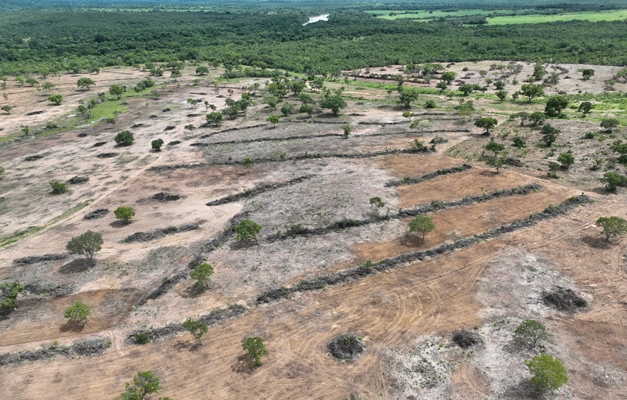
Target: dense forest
(54,41)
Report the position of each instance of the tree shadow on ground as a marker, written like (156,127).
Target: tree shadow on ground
(78,265)
(118,224)
(192,291)
(72,326)
(596,242)
(523,390)
(243,365)
(488,173)
(243,244)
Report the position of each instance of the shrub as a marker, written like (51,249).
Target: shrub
(548,372)
(421,224)
(58,187)
(124,138)
(376,202)
(247,162)
(430,104)
(86,244)
(609,124)
(247,229)
(10,291)
(531,333)
(255,349)
(78,313)
(124,213)
(56,99)
(156,144)
(566,159)
(613,180)
(612,226)
(347,130)
(519,142)
(214,117)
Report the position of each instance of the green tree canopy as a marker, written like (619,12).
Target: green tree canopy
(196,327)
(486,123)
(555,105)
(531,333)
(335,103)
(124,138)
(421,224)
(247,229)
(124,213)
(87,244)
(532,91)
(116,90)
(78,313)
(612,226)
(56,99)
(85,83)
(548,372)
(255,349)
(613,180)
(202,274)
(144,383)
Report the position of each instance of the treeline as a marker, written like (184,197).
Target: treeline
(48,41)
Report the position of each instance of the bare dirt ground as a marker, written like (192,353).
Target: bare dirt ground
(405,316)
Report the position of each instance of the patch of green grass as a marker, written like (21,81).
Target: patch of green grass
(592,16)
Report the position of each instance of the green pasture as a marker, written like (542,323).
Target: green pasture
(592,16)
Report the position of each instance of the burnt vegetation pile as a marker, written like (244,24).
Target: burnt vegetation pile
(287,138)
(257,190)
(75,180)
(33,158)
(81,348)
(99,213)
(37,259)
(215,317)
(98,144)
(107,155)
(564,300)
(409,181)
(159,233)
(465,338)
(370,268)
(165,196)
(346,347)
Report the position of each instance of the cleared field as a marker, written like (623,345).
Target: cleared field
(597,16)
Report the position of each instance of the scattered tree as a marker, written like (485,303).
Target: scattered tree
(56,99)
(501,94)
(499,85)
(25,129)
(609,124)
(308,109)
(566,159)
(77,313)
(58,187)
(466,88)
(196,327)
(548,372)
(531,333)
(87,244)
(430,104)
(555,105)
(273,119)
(202,71)
(347,130)
(144,383)
(537,118)
(287,109)
(192,103)
(621,148)
(538,72)
(156,144)
(486,123)
(33,82)
(421,224)
(585,107)
(116,90)
(124,213)
(214,117)
(448,77)
(10,291)
(531,91)
(519,142)
(549,134)
(85,83)
(494,147)
(587,73)
(255,349)
(335,103)
(613,180)
(202,274)
(247,229)
(124,138)
(612,226)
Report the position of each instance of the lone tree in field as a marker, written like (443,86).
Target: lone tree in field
(85,83)
(116,90)
(585,107)
(156,144)
(56,99)
(87,244)
(531,90)
(196,327)
(612,226)
(202,71)
(144,383)
(58,187)
(536,118)
(448,77)
(486,123)
(531,333)
(124,138)
(494,147)
(202,274)
(421,224)
(548,372)
(255,349)
(247,229)
(609,124)
(124,213)
(77,313)
(587,73)
(407,96)
(613,180)
(214,117)
(273,119)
